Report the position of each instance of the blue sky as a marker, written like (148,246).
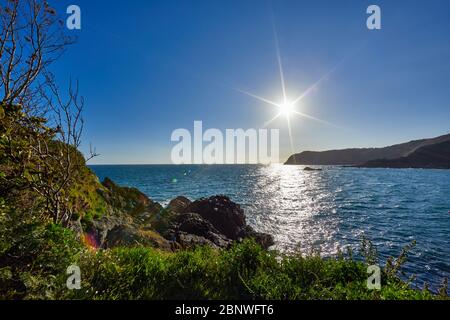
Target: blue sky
(148,67)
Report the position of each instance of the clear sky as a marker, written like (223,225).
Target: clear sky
(149,67)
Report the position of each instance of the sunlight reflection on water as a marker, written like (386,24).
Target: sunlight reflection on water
(304,207)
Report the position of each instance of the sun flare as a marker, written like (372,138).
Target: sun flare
(286,108)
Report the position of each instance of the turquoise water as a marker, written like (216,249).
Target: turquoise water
(327,210)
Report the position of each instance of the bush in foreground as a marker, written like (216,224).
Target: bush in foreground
(244,272)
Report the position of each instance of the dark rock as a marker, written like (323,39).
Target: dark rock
(76,227)
(133,219)
(179,204)
(194,224)
(228,218)
(312,169)
(263,239)
(127,236)
(225,215)
(98,229)
(162,222)
(190,241)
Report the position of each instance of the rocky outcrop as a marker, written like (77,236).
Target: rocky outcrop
(224,217)
(98,229)
(127,212)
(133,219)
(311,169)
(190,229)
(189,241)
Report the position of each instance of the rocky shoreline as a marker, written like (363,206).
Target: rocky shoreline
(133,219)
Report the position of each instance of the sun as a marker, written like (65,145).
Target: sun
(286,108)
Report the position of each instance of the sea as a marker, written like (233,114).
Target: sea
(326,212)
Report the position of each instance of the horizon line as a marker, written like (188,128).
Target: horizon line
(186,164)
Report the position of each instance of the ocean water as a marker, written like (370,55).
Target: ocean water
(325,211)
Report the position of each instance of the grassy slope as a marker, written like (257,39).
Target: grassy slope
(246,271)
(86,199)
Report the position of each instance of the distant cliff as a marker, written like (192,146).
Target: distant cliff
(362,156)
(435,156)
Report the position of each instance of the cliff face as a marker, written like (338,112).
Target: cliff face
(363,155)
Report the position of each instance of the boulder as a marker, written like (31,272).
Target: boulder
(99,228)
(179,204)
(225,215)
(227,218)
(265,240)
(128,236)
(190,241)
(193,224)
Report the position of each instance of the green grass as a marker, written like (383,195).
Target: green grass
(246,271)
(85,198)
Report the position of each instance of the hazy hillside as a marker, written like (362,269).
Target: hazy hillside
(431,156)
(357,156)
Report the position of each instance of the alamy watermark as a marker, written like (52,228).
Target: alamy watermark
(374,279)
(73,22)
(74,280)
(236,146)
(374,20)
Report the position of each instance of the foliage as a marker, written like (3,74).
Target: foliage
(246,271)
(40,129)
(34,258)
